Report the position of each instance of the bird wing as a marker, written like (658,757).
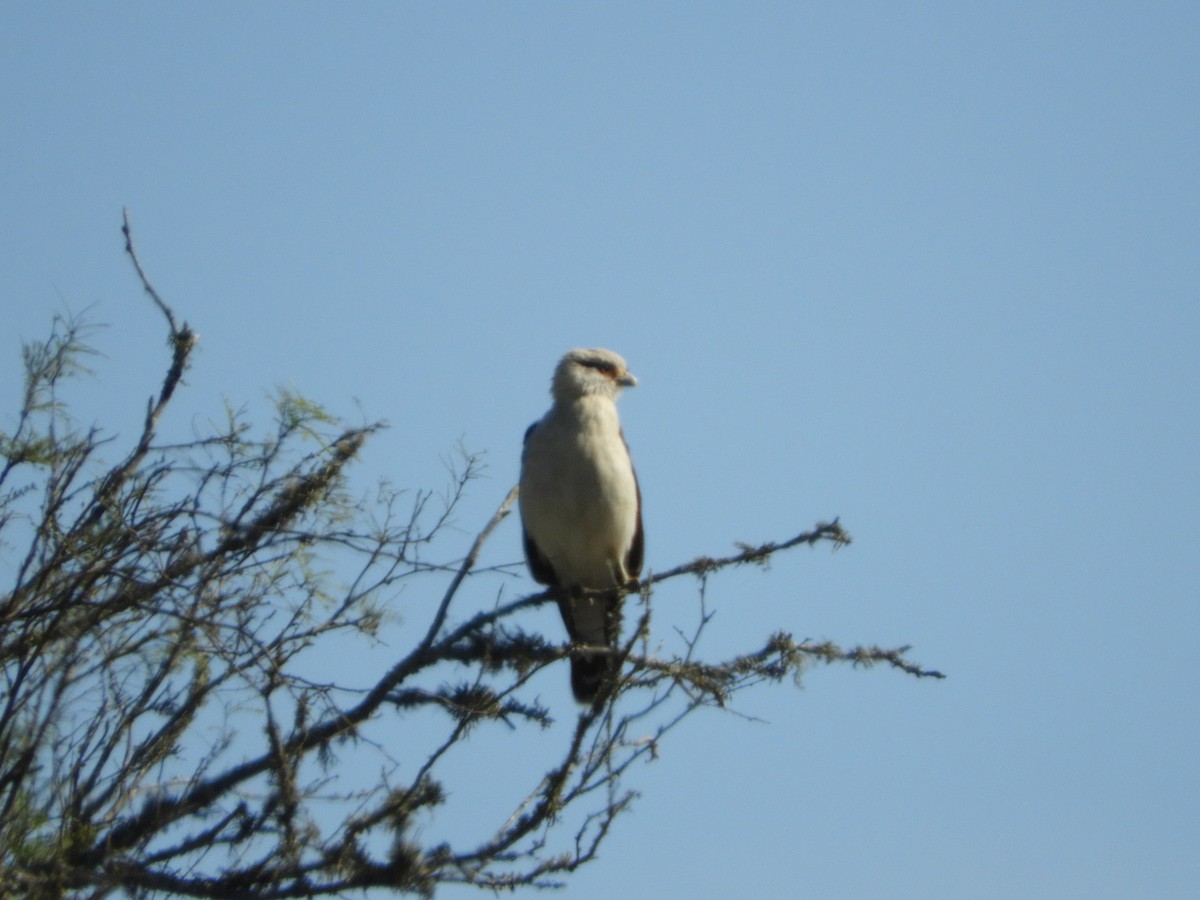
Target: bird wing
(637,547)
(539,566)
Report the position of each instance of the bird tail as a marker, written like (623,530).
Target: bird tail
(595,622)
(589,674)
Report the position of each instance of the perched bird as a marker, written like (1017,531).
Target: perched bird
(581,508)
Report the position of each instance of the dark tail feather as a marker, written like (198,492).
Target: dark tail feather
(589,674)
(592,672)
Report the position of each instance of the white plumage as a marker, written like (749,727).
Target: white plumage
(581,507)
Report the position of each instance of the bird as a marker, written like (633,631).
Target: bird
(581,509)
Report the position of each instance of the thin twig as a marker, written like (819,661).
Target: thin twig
(467,564)
(141,273)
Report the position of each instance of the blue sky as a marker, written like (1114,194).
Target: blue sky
(929,267)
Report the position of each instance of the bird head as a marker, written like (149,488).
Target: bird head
(591,372)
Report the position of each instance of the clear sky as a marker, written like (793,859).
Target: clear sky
(930,267)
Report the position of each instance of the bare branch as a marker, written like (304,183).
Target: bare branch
(468,563)
(196,696)
(141,273)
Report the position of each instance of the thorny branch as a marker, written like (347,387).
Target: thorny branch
(198,692)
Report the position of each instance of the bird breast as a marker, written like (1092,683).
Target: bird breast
(578,494)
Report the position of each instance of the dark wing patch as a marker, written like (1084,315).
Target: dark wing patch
(539,566)
(637,549)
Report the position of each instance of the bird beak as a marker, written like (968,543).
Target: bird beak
(627,380)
